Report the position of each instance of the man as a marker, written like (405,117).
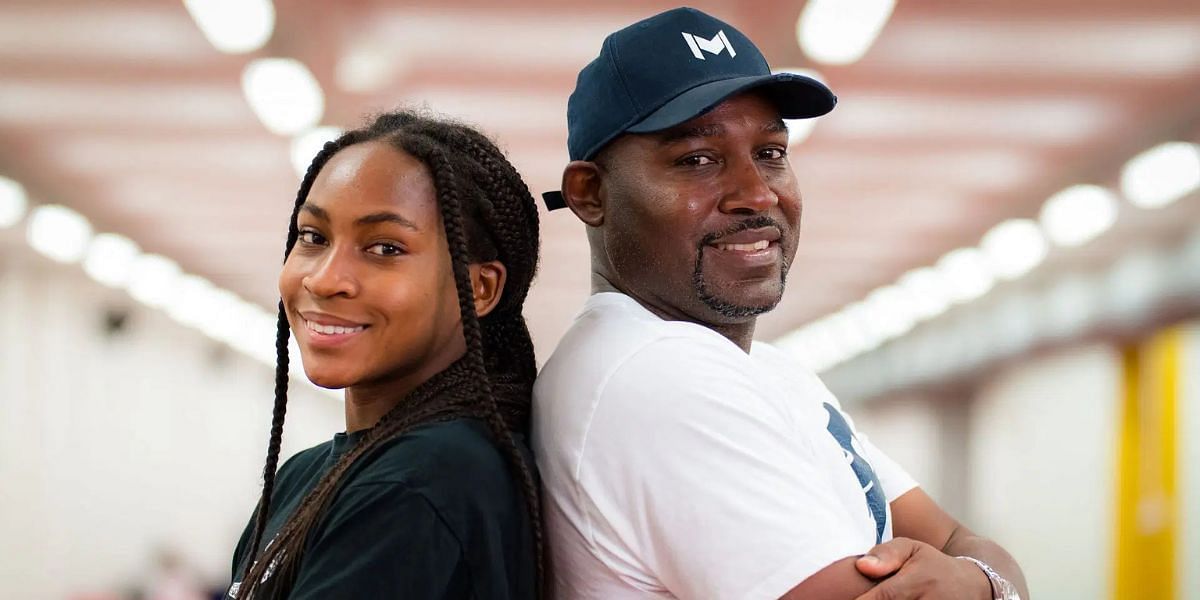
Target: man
(680,458)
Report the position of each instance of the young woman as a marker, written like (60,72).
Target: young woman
(411,247)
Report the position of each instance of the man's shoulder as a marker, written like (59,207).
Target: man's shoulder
(613,328)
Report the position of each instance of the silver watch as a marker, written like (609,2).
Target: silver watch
(1001,588)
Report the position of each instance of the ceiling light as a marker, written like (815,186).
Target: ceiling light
(927,291)
(1013,248)
(1161,175)
(284,94)
(153,279)
(255,332)
(840,32)
(110,259)
(306,146)
(966,274)
(193,301)
(221,304)
(234,26)
(13,202)
(367,69)
(894,313)
(856,330)
(59,233)
(1078,214)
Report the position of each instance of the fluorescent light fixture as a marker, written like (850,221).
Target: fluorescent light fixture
(366,69)
(856,330)
(153,279)
(254,333)
(234,26)
(892,310)
(966,274)
(222,305)
(800,129)
(192,303)
(927,290)
(306,146)
(839,32)
(1013,248)
(284,94)
(59,233)
(1161,175)
(110,259)
(13,202)
(1078,214)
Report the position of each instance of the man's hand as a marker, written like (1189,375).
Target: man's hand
(917,570)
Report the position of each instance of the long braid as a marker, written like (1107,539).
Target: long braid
(278,412)
(456,236)
(509,328)
(502,210)
(282,334)
(506,325)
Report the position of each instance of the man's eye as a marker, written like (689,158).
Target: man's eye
(311,238)
(385,249)
(696,160)
(772,153)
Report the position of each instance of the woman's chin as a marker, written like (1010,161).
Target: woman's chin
(329,379)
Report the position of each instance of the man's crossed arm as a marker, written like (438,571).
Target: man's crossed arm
(920,562)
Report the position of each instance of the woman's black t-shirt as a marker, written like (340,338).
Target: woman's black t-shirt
(434,514)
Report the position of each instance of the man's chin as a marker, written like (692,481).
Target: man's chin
(739,304)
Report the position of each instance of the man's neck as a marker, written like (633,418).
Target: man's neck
(741,333)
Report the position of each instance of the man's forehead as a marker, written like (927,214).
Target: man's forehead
(716,122)
(749,107)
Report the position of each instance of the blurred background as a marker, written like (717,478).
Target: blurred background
(999,271)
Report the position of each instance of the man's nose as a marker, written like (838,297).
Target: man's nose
(750,192)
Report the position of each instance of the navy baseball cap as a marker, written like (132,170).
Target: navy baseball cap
(670,68)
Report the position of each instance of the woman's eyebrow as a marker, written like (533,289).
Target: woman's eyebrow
(315,211)
(371,219)
(386,217)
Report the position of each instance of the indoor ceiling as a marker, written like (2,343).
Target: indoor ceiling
(961,115)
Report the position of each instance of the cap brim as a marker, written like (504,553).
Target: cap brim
(796,96)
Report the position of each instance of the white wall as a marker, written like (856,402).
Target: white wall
(1042,463)
(1026,459)
(111,446)
(909,429)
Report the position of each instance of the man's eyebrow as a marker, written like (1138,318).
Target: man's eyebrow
(677,134)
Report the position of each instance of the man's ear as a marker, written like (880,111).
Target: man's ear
(581,191)
(487,284)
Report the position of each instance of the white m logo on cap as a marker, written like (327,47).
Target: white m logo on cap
(714,46)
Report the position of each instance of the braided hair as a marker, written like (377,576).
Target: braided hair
(488,214)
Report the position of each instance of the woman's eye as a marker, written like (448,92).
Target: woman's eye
(385,249)
(311,238)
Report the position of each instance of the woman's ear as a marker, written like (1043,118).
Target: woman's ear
(487,284)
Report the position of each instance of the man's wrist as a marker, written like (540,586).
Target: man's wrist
(1001,589)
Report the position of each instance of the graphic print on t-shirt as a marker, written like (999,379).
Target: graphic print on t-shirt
(872,489)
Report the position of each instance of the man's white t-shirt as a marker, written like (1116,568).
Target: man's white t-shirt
(675,465)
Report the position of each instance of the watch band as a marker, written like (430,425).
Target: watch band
(1001,588)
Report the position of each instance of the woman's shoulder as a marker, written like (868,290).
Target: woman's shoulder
(448,462)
